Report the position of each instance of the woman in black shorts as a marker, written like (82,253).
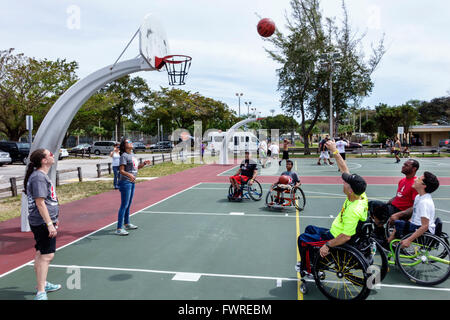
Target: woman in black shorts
(43,212)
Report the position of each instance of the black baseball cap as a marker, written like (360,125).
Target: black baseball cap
(356,182)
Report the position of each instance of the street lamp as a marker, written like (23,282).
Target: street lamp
(329,58)
(248,104)
(239,95)
(253,111)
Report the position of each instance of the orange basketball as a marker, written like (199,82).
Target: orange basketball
(266,27)
(284,180)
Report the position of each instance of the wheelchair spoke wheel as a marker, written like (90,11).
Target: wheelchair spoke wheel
(270,198)
(380,260)
(426,261)
(299,198)
(255,191)
(341,275)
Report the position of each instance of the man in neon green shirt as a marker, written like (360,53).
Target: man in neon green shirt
(344,225)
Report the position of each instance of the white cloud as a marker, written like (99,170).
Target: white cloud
(228,55)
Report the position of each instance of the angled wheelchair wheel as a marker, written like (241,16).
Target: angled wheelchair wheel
(380,260)
(255,191)
(270,199)
(426,261)
(341,275)
(299,198)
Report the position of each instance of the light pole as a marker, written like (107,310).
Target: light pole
(330,61)
(239,95)
(158,129)
(248,104)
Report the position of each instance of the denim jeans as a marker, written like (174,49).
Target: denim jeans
(126,194)
(312,237)
(116,176)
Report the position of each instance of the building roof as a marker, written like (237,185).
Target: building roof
(430,127)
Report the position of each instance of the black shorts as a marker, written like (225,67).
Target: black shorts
(44,244)
(342,155)
(285,155)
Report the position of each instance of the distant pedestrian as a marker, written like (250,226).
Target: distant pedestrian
(340,145)
(397,149)
(128,169)
(115,155)
(285,151)
(274,150)
(43,213)
(324,152)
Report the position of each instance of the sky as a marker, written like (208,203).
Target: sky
(228,54)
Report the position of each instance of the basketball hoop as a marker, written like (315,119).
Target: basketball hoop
(177,67)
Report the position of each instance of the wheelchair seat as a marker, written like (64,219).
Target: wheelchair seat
(438,227)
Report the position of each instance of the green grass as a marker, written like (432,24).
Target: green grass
(10,207)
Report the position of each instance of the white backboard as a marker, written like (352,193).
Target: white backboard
(152,40)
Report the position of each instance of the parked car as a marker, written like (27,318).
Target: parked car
(103,147)
(354,145)
(79,148)
(63,153)
(162,145)
(18,151)
(4,158)
(138,146)
(445,143)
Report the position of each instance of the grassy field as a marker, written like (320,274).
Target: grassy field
(10,207)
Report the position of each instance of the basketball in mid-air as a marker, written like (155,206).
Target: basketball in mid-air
(265,27)
(284,180)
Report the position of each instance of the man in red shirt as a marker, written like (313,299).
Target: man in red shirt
(400,206)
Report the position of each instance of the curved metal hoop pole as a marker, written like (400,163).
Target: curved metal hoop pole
(55,124)
(50,134)
(224,151)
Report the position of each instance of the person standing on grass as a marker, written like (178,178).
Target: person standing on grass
(115,155)
(128,169)
(43,212)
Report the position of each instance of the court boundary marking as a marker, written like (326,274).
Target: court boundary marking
(224,275)
(98,230)
(31,262)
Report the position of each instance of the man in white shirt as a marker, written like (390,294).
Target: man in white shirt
(340,145)
(275,150)
(263,152)
(423,216)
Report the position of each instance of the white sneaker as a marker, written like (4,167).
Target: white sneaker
(130,226)
(121,232)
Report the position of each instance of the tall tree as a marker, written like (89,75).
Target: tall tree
(30,87)
(304,78)
(128,92)
(437,110)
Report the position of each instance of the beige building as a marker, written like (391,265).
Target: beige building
(428,134)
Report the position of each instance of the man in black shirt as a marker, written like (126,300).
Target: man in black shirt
(247,173)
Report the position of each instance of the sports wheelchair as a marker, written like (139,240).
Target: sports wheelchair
(290,197)
(426,261)
(247,191)
(349,271)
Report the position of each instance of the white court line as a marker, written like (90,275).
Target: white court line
(243,214)
(235,276)
(31,261)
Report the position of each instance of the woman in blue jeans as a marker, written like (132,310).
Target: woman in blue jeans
(128,169)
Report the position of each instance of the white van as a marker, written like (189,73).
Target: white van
(239,142)
(215,140)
